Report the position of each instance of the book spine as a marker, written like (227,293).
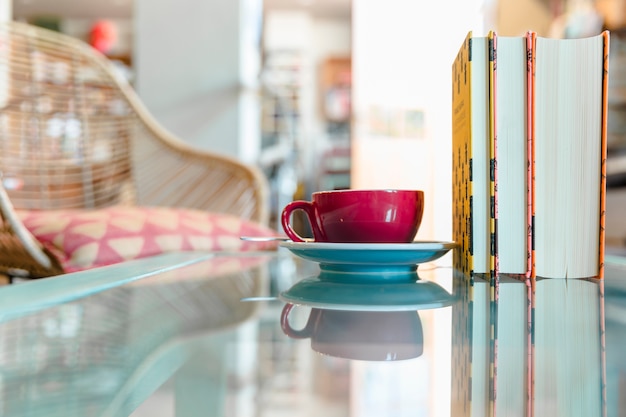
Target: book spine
(529,151)
(462,189)
(605,93)
(529,216)
(531,45)
(493,145)
(493,221)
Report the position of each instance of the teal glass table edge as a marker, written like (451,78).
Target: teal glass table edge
(53,308)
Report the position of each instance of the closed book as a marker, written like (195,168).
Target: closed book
(470,153)
(511,156)
(569,90)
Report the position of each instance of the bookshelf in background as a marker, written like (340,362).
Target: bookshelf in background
(335,88)
(335,107)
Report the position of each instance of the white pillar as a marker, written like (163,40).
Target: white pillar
(6,14)
(196,66)
(6,10)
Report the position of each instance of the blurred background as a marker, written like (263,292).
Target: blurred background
(327,94)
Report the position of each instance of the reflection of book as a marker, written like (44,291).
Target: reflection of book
(512,370)
(470,151)
(570,105)
(568,353)
(470,347)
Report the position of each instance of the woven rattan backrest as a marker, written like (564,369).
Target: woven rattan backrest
(64,123)
(73,134)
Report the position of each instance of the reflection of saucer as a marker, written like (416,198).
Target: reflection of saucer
(369,256)
(368,295)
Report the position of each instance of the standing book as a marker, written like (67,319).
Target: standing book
(470,150)
(570,87)
(512,157)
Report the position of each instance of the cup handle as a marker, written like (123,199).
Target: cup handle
(290,331)
(285,219)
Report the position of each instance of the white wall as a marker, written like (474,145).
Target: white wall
(6,10)
(402,58)
(195,64)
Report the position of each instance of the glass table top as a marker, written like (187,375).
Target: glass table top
(211,335)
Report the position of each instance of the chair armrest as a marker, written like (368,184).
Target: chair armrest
(169,172)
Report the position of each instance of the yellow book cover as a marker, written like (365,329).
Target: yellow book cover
(461,136)
(470,156)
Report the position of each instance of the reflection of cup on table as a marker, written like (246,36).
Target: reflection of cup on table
(361,335)
(359,216)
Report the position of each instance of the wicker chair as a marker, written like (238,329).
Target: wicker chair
(73,134)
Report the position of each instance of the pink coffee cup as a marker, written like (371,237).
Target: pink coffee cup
(359,216)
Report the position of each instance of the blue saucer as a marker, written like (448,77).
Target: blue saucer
(369,257)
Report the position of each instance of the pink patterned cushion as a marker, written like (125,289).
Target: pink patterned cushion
(84,239)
